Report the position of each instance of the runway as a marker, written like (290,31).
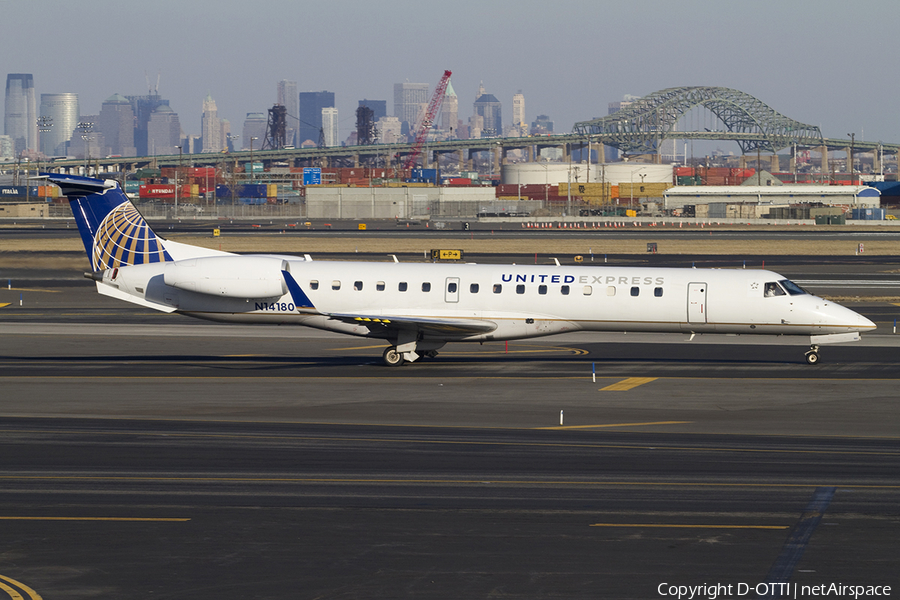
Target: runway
(149,455)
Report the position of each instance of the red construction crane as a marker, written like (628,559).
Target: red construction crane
(433,107)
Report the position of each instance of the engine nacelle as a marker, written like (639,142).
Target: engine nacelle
(228,276)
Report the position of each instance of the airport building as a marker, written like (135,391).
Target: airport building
(847,196)
(397,202)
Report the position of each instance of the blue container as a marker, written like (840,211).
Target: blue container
(255,190)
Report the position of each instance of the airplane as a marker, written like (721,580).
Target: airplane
(417,308)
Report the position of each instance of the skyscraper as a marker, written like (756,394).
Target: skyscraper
(330,126)
(163,131)
(211,127)
(290,100)
(87,140)
(61,111)
(116,123)
(408,101)
(379,107)
(254,127)
(310,115)
(518,115)
(6,147)
(143,107)
(488,107)
(20,116)
(450,112)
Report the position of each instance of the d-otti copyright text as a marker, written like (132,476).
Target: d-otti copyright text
(711,591)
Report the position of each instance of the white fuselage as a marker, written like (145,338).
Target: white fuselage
(519,301)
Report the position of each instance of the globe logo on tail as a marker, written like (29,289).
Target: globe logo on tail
(124,238)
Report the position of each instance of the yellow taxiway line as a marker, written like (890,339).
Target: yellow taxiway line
(616,425)
(13,593)
(627,384)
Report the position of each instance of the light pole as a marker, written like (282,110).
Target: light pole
(642,175)
(251,158)
(45,124)
(86,127)
(177,177)
(850,162)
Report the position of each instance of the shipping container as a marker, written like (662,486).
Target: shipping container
(867,214)
(643,190)
(586,190)
(156,191)
(255,190)
(20,192)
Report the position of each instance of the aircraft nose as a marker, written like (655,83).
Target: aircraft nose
(864,323)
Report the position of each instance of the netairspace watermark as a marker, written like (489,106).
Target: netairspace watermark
(711,591)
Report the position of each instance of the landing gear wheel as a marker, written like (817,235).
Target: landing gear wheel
(812,357)
(392,358)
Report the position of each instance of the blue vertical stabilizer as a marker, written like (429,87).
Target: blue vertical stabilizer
(113,231)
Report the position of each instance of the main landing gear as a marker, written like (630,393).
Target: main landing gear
(812,357)
(394,358)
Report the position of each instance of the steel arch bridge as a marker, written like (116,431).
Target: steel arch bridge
(641,127)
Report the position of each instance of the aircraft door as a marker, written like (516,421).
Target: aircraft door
(697,309)
(451,289)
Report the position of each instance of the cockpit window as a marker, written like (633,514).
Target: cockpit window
(792,288)
(772,289)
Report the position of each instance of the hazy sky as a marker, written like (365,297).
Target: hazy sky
(824,62)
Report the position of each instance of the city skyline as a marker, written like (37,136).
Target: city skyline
(583,59)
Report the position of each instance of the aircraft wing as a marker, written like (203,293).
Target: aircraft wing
(433,326)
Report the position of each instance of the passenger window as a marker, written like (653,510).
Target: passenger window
(542,290)
(520,289)
(357,286)
(452,287)
(379,285)
(314,284)
(772,289)
(635,291)
(426,287)
(610,290)
(587,290)
(402,286)
(657,292)
(564,290)
(498,288)
(335,285)
(473,288)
